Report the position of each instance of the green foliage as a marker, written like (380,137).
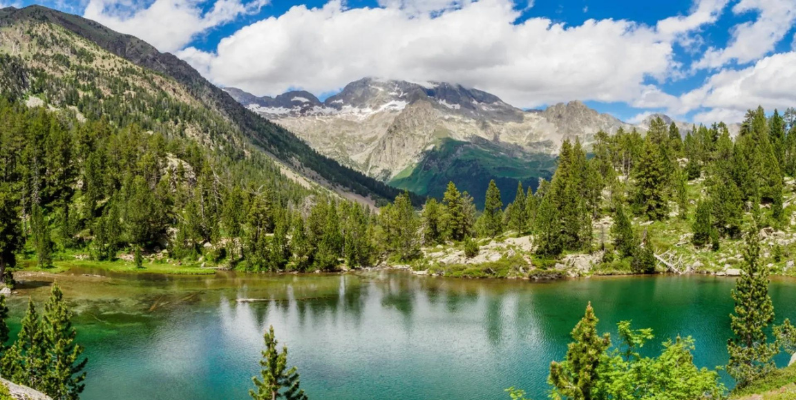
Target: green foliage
(433,231)
(548,229)
(623,233)
(578,376)
(471,247)
(701,228)
(644,261)
(771,381)
(750,352)
(493,211)
(518,212)
(11,239)
(651,183)
(592,370)
(277,382)
(786,336)
(625,374)
(64,377)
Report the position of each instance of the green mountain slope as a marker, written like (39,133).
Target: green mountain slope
(471,165)
(59,57)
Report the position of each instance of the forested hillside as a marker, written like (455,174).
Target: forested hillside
(71,62)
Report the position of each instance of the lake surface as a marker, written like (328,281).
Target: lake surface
(383,335)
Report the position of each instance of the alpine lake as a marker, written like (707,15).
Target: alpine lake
(370,335)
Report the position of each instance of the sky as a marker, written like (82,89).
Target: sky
(695,60)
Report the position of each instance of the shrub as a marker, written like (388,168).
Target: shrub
(471,248)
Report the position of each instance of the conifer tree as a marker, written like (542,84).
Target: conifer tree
(682,194)
(548,229)
(10,231)
(4,330)
(41,238)
(531,206)
(577,376)
(64,377)
(431,221)
(651,181)
(301,248)
(701,228)
(453,217)
(493,210)
(644,260)
(31,346)
(277,382)
(518,212)
(623,233)
(750,352)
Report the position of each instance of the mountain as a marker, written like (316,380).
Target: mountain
(419,136)
(70,62)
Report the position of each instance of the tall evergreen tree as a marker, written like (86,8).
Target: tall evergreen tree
(10,231)
(432,222)
(623,233)
(548,229)
(31,346)
(518,212)
(750,352)
(493,210)
(64,377)
(701,227)
(651,181)
(41,238)
(578,376)
(453,219)
(277,382)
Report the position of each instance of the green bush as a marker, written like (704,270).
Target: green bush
(471,248)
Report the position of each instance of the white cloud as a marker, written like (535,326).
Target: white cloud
(752,40)
(169,25)
(476,44)
(726,95)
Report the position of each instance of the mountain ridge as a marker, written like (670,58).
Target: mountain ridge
(386,128)
(284,146)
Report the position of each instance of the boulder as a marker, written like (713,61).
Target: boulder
(733,272)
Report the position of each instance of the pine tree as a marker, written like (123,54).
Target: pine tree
(453,217)
(431,221)
(10,231)
(577,376)
(531,206)
(548,229)
(493,210)
(301,248)
(41,238)
(644,260)
(701,228)
(3,325)
(31,346)
(651,181)
(682,194)
(277,382)
(64,377)
(623,233)
(750,353)
(518,212)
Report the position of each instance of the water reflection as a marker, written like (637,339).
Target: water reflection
(377,335)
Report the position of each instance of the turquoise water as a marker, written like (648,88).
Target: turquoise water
(374,336)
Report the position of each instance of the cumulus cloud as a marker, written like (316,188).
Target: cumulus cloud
(477,44)
(169,25)
(726,95)
(752,40)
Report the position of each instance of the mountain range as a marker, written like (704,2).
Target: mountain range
(420,136)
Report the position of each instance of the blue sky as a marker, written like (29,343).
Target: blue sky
(699,60)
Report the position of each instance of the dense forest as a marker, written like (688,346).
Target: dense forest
(103,190)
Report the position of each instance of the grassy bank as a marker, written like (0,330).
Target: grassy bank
(779,385)
(121,266)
